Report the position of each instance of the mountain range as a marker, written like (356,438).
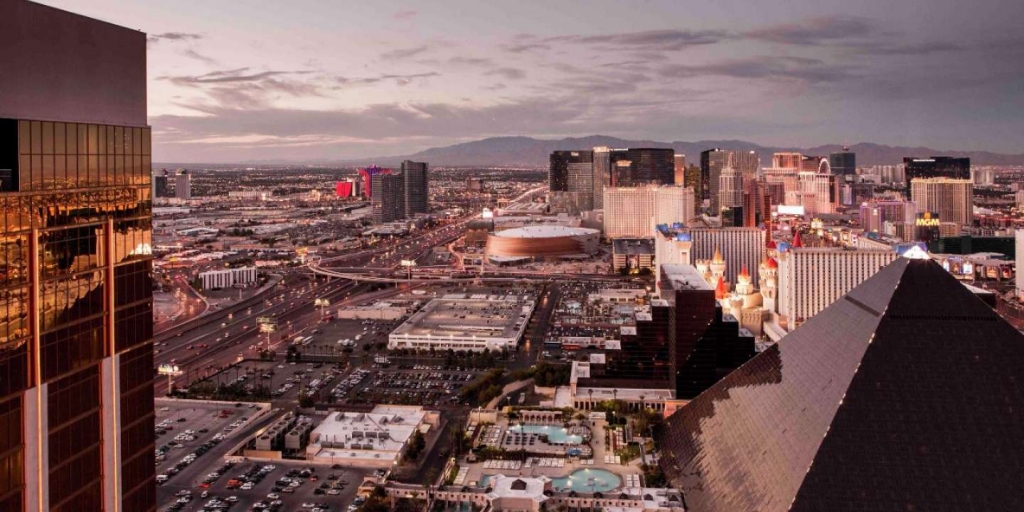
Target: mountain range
(528,151)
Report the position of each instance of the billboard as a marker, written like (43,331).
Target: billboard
(786,209)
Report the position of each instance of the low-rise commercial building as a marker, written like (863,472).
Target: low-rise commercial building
(228,277)
(461,322)
(375,439)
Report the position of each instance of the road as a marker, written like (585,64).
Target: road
(215,341)
(203,348)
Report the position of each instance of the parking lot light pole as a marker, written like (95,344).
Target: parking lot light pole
(322,304)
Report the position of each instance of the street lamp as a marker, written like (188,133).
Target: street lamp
(322,304)
(408,264)
(171,371)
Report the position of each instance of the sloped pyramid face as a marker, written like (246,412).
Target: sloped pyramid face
(905,394)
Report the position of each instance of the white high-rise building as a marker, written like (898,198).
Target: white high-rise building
(950,198)
(810,279)
(634,211)
(818,192)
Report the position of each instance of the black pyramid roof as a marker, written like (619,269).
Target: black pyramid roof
(905,394)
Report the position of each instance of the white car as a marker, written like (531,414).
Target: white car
(273,496)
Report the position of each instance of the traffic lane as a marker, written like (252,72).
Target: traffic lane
(218,356)
(220,314)
(245,325)
(237,318)
(217,313)
(226,353)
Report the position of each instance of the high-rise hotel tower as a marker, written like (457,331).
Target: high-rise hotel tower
(76,354)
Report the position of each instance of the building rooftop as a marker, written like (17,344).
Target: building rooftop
(484,316)
(545,232)
(385,429)
(683,277)
(633,246)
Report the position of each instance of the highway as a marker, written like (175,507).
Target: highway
(201,346)
(216,342)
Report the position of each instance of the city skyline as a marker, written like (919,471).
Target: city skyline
(231,83)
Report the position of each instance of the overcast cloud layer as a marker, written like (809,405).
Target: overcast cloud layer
(305,80)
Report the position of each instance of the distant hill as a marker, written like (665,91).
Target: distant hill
(528,151)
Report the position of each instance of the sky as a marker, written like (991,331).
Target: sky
(304,80)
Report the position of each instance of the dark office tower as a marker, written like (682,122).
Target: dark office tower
(861,407)
(558,172)
(705,173)
(643,358)
(843,163)
(705,345)
(581,178)
(692,179)
(637,167)
(76,353)
(936,167)
(160,187)
(387,202)
(367,175)
(602,176)
(417,185)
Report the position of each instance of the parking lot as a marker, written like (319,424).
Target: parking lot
(187,430)
(414,385)
(363,337)
(271,486)
(254,380)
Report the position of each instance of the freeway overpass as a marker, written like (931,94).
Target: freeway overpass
(498,277)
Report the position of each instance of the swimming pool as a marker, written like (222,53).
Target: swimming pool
(587,480)
(556,435)
(582,480)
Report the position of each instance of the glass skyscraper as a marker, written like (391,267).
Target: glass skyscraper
(417,186)
(937,167)
(76,356)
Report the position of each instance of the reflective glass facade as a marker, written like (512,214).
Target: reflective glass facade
(643,361)
(937,167)
(905,394)
(635,167)
(76,305)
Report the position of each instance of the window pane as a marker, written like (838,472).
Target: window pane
(47,138)
(72,139)
(37,137)
(93,139)
(59,143)
(24,137)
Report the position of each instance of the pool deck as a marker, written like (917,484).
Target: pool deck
(476,469)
